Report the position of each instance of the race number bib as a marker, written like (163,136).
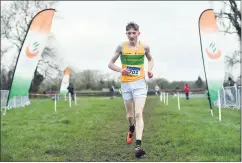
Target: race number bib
(134,71)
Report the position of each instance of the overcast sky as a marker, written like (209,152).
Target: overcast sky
(89,32)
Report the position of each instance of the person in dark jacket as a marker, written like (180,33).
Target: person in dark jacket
(71,91)
(112,92)
(231,82)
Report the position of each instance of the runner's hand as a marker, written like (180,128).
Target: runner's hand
(150,75)
(124,71)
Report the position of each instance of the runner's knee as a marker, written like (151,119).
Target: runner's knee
(138,116)
(129,115)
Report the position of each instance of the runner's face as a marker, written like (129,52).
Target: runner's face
(132,35)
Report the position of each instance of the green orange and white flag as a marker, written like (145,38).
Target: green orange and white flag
(65,81)
(213,58)
(32,48)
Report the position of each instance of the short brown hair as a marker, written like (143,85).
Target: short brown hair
(132,25)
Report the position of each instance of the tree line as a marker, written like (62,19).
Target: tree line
(94,80)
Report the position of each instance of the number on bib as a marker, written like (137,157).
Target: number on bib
(134,71)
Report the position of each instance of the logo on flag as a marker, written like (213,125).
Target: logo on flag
(33,50)
(212,51)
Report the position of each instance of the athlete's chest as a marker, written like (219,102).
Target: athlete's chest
(133,50)
(133,59)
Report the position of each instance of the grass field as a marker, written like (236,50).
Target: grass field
(95,130)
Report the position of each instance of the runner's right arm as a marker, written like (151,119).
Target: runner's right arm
(112,65)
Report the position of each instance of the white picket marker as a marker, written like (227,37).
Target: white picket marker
(166,98)
(178,101)
(219,106)
(161,96)
(69,99)
(5,110)
(55,103)
(236,96)
(211,112)
(224,97)
(75,98)
(239,100)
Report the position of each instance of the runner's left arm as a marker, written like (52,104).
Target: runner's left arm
(149,57)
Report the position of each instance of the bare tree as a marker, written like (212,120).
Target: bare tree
(15,20)
(199,82)
(229,18)
(234,60)
(16,17)
(50,63)
(89,78)
(4,50)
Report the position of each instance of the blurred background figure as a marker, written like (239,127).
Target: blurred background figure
(231,81)
(186,91)
(112,93)
(157,90)
(71,91)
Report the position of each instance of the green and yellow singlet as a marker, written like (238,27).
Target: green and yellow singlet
(133,60)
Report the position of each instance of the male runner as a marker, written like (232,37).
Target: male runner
(133,87)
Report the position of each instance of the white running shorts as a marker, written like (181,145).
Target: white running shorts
(135,89)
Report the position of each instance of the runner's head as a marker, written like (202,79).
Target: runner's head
(132,31)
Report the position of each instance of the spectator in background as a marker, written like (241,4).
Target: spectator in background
(112,92)
(232,91)
(186,91)
(71,91)
(231,82)
(157,90)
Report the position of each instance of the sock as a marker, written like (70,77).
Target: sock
(138,143)
(131,128)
